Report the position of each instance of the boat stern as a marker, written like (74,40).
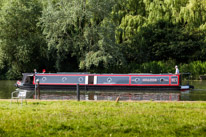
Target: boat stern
(18,84)
(186,87)
(27,80)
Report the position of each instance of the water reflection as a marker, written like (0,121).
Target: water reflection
(194,95)
(6,87)
(111,96)
(134,96)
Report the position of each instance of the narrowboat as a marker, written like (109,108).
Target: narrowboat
(101,81)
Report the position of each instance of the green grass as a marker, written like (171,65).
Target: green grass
(72,118)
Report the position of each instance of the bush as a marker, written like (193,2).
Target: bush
(196,68)
(154,67)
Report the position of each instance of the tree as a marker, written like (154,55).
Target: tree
(21,39)
(152,30)
(81,30)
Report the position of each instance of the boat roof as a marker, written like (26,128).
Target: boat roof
(28,74)
(31,74)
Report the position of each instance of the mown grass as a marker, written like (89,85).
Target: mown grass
(85,118)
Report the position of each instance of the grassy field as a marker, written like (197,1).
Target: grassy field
(102,118)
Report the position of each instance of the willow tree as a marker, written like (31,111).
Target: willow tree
(161,30)
(81,31)
(21,39)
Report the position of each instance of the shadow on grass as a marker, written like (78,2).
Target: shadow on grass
(191,130)
(2,132)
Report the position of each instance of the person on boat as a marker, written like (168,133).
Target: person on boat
(177,70)
(35,72)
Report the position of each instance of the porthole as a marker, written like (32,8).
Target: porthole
(109,79)
(44,79)
(64,79)
(80,79)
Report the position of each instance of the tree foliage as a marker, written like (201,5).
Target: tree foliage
(162,30)
(82,30)
(21,39)
(100,35)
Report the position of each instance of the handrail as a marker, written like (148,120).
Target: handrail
(185,73)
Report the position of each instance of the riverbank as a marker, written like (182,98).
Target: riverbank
(102,118)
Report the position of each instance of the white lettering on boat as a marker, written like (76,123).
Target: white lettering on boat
(149,80)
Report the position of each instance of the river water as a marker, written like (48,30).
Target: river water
(196,94)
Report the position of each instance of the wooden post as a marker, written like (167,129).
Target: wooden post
(78,93)
(38,90)
(117,99)
(35,96)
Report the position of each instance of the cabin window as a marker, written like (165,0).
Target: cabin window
(174,80)
(29,80)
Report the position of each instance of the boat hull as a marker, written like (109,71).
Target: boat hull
(100,81)
(90,87)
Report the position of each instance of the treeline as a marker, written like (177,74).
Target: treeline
(102,36)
